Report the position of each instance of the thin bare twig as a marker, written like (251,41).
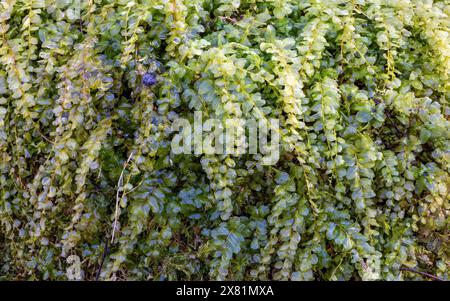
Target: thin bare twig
(119,184)
(422,273)
(105,253)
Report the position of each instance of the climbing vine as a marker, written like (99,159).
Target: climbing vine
(89,90)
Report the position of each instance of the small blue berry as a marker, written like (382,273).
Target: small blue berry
(149,79)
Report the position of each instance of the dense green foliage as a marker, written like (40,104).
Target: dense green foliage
(361,88)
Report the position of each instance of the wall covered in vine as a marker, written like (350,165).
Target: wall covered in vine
(91,189)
